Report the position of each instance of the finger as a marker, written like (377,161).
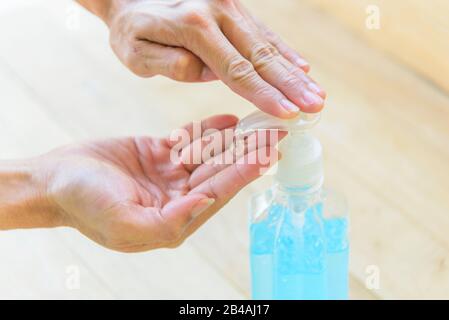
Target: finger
(150,59)
(184,136)
(284,49)
(226,183)
(272,66)
(212,143)
(229,156)
(179,213)
(290,54)
(239,74)
(154,227)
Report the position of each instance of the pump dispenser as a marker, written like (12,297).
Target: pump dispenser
(298,230)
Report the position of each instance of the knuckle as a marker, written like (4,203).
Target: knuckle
(263,54)
(179,69)
(264,92)
(186,66)
(240,69)
(197,19)
(291,82)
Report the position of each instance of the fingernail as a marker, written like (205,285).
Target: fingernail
(312,86)
(289,106)
(300,62)
(311,99)
(202,206)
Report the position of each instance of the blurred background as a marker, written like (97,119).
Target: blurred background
(385,132)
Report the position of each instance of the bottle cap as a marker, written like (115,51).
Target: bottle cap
(263,121)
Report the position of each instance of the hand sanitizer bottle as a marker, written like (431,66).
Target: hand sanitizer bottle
(298,230)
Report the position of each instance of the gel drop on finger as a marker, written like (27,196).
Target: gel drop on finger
(299,245)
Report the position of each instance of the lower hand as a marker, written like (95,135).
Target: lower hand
(128,195)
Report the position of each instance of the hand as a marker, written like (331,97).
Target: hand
(202,40)
(128,195)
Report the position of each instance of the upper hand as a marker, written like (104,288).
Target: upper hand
(202,40)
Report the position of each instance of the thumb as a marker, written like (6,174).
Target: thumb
(181,212)
(173,62)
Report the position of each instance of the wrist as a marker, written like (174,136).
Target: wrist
(24,201)
(104,9)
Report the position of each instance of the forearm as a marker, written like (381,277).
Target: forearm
(23,199)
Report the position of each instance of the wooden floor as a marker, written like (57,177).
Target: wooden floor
(385,133)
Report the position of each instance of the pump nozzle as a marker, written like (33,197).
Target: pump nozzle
(262,121)
(301,166)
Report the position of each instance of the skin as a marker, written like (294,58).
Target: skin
(205,40)
(125,194)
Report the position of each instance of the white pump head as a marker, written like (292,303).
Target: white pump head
(301,166)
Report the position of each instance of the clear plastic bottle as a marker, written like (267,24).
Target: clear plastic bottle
(299,243)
